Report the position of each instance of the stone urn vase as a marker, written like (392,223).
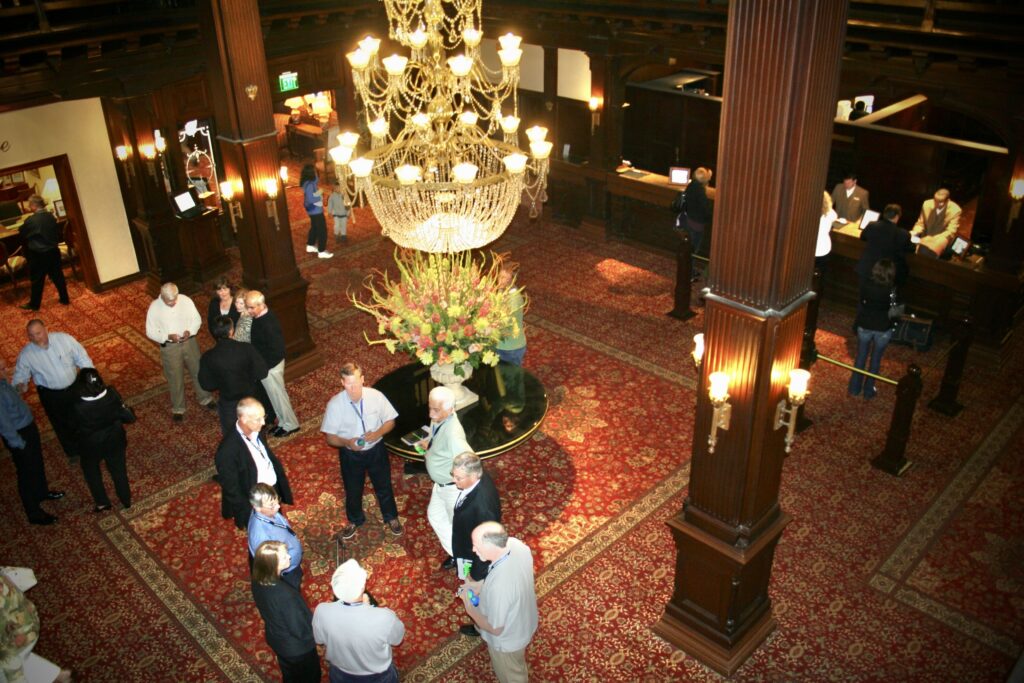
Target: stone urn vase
(444,374)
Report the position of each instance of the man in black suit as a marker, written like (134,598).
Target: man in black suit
(478,502)
(244,460)
(232,368)
(41,235)
(885,239)
(268,339)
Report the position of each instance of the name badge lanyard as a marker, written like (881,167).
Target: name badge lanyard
(359,412)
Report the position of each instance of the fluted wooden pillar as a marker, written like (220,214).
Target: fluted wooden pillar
(781,70)
(240,90)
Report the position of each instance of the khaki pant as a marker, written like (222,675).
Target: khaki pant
(441,512)
(510,667)
(274,384)
(176,358)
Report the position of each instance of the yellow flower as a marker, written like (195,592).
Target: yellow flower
(426,357)
(481,323)
(390,345)
(454,310)
(489,358)
(425,329)
(459,356)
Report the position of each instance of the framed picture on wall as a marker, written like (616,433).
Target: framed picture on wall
(58,208)
(18,177)
(5,180)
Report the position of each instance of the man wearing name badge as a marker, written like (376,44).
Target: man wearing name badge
(244,460)
(447,439)
(268,339)
(52,361)
(173,322)
(356,421)
(849,200)
(507,612)
(478,502)
(266,523)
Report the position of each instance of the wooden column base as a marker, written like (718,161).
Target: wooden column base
(720,612)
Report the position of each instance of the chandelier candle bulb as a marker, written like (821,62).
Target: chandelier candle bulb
(465,173)
(420,120)
(718,387)
(468,118)
(541,149)
(510,124)
(460,65)
(510,57)
(359,59)
(361,167)
(515,163)
(472,37)
(395,65)
(407,174)
(418,39)
(348,139)
(341,155)
(536,133)
(369,45)
(509,41)
(378,128)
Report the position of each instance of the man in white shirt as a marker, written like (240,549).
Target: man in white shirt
(356,421)
(52,361)
(507,613)
(173,322)
(447,439)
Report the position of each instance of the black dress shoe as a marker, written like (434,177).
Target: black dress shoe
(101,508)
(178,417)
(448,564)
(469,630)
(54,495)
(43,519)
(28,307)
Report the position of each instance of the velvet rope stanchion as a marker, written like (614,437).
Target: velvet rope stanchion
(893,458)
(684,270)
(945,401)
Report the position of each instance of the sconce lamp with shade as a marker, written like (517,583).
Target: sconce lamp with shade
(227,193)
(122,152)
(595,104)
(271,188)
(787,408)
(1016,194)
(718,392)
(698,349)
(50,191)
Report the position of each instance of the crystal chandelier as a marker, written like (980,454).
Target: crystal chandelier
(443,172)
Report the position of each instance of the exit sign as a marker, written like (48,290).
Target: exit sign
(289,80)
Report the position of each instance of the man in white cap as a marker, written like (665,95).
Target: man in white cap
(358,636)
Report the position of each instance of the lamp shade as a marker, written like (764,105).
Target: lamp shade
(718,386)
(540,149)
(408,174)
(510,57)
(509,41)
(418,38)
(51,190)
(395,64)
(359,59)
(341,154)
(369,45)
(465,172)
(515,163)
(536,133)
(227,190)
(378,127)
(270,187)
(472,37)
(460,65)
(798,380)
(510,124)
(468,118)
(361,167)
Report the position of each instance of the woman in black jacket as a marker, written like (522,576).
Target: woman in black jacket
(698,213)
(873,325)
(287,619)
(99,420)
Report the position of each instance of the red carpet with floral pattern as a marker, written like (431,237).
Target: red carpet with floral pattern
(877,578)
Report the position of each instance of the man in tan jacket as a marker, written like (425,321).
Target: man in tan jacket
(937,225)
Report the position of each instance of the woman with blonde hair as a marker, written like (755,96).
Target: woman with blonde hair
(287,619)
(824,245)
(243,324)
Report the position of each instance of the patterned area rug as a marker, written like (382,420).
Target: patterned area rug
(877,578)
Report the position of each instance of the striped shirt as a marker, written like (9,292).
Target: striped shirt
(54,367)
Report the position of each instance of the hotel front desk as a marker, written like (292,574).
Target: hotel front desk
(635,206)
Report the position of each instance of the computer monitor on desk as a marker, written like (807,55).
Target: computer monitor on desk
(679,175)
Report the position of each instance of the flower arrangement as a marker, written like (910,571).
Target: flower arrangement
(444,308)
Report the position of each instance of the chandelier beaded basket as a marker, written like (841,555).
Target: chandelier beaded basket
(443,171)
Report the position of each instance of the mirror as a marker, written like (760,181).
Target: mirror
(196,138)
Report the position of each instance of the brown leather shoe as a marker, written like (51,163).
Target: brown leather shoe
(395,526)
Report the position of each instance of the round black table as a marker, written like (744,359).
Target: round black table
(512,406)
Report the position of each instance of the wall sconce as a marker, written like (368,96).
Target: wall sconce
(227,193)
(159,142)
(595,112)
(148,152)
(786,410)
(1016,194)
(122,152)
(283,172)
(718,392)
(250,92)
(270,187)
(698,349)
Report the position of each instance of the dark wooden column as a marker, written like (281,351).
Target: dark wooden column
(240,90)
(782,70)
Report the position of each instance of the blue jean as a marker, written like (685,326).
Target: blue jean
(865,338)
(696,232)
(513,356)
